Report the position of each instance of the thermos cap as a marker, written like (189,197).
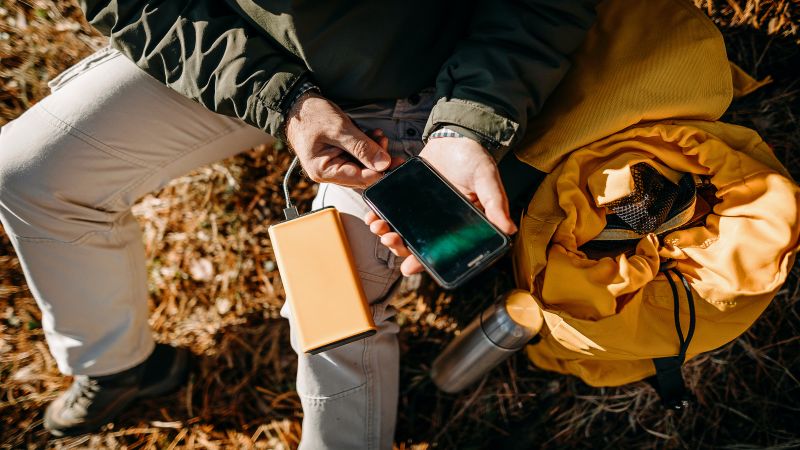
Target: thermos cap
(524,310)
(513,320)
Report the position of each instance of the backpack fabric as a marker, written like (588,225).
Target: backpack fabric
(608,318)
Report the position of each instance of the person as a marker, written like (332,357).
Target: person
(188,82)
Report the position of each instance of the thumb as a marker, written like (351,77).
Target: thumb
(360,146)
(490,193)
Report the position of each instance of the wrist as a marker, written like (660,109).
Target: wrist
(292,105)
(293,116)
(297,106)
(455,131)
(298,93)
(457,150)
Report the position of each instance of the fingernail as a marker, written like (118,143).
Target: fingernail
(381,160)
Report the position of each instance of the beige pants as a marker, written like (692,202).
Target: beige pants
(72,166)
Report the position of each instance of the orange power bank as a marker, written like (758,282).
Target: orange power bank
(322,286)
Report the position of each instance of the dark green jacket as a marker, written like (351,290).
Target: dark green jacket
(493,62)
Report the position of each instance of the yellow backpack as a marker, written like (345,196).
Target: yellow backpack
(648,87)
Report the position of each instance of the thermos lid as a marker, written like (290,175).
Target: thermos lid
(513,320)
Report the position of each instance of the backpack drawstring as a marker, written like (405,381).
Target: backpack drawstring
(684,342)
(668,380)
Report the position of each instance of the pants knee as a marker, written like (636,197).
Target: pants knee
(17,199)
(15,175)
(36,195)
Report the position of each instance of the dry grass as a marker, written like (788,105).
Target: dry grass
(214,289)
(776,17)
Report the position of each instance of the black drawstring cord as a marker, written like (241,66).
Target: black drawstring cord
(692,313)
(668,380)
(683,341)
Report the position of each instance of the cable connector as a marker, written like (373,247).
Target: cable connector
(290,212)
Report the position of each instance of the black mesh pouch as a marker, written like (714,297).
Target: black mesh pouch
(648,206)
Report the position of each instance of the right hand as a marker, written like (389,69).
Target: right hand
(471,169)
(330,146)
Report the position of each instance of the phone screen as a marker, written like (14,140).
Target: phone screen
(445,231)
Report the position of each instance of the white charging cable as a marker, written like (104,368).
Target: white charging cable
(290,211)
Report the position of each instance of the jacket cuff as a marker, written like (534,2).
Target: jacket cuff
(476,121)
(272,101)
(496,150)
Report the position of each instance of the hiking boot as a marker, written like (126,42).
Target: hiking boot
(91,402)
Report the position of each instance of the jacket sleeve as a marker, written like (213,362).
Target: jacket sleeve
(511,59)
(206,51)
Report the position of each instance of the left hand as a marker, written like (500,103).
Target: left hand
(468,166)
(330,146)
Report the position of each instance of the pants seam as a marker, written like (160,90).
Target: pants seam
(137,289)
(390,280)
(387,280)
(385,288)
(151,343)
(369,387)
(75,132)
(160,168)
(321,398)
(77,241)
(372,277)
(111,151)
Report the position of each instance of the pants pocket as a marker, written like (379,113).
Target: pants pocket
(332,373)
(343,370)
(93,60)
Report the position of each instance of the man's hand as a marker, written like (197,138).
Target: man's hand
(468,167)
(330,147)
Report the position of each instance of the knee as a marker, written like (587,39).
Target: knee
(17,172)
(34,196)
(17,191)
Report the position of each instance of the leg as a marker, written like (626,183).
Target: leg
(354,408)
(70,169)
(349,394)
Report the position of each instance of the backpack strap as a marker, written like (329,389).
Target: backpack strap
(668,380)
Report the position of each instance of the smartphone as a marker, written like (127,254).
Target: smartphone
(450,237)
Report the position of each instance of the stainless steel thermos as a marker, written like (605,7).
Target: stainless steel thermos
(493,336)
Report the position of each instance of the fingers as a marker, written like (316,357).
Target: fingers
(379,227)
(335,167)
(395,243)
(410,266)
(371,217)
(492,196)
(321,134)
(389,238)
(378,136)
(365,150)
(341,170)
(332,165)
